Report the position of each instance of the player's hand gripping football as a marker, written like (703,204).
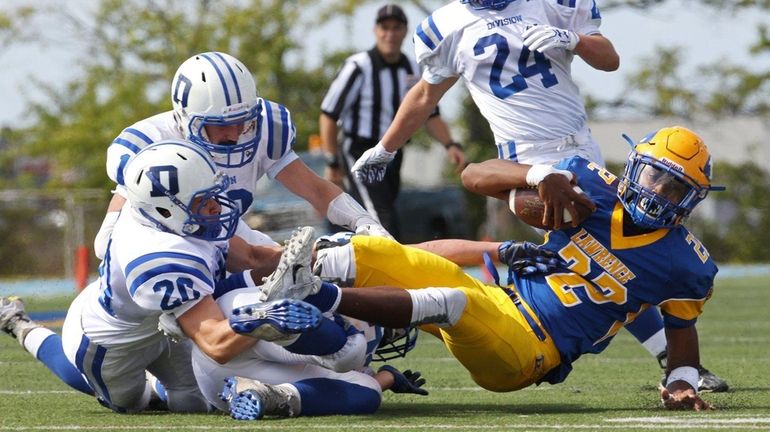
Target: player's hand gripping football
(559,195)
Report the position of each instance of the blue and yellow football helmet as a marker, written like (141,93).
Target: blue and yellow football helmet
(667,174)
(487,4)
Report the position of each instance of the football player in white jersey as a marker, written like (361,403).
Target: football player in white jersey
(216,105)
(166,255)
(166,262)
(515,57)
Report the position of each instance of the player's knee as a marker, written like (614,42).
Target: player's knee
(336,265)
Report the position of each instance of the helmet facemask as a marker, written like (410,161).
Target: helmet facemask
(210,227)
(656,194)
(395,343)
(666,175)
(228,154)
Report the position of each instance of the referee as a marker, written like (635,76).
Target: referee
(363,99)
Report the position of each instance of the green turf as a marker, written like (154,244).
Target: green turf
(611,391)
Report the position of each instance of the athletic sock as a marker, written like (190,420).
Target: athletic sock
(324,396)
(47,348)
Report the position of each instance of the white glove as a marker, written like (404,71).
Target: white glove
(375,230)
(543,37)
(370,167)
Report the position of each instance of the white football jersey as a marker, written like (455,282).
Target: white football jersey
(524,95)
(147,272)
(276,133)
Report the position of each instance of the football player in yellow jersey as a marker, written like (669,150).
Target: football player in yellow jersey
(630,254)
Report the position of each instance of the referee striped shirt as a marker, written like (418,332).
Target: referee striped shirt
(367,92)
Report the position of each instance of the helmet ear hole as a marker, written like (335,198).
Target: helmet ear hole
(163,212)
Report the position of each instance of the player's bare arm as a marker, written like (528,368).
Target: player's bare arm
(682,382)
(261,260)
(303,182)
(211,332)
(414,110)
(598,52)
(555,188)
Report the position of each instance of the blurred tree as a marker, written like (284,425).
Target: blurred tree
(134,48)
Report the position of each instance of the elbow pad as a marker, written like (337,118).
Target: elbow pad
(345,211)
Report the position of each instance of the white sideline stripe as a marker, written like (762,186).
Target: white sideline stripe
(369,426)
(691,420)
(35,392)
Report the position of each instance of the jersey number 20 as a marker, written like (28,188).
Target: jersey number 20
(541,66)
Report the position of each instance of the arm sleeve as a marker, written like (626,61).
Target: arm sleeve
(435,50)
(122,148)
(586,18)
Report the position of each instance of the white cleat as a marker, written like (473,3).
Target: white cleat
(14,319)
(250,399)
(293,278)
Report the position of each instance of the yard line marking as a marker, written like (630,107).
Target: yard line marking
(690,420)
(31,392)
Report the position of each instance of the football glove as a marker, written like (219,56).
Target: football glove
(370,167)
(406,382)
(542,38)
(525,258)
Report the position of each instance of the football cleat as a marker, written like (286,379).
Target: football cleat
(333,240)
(14,319)
(276,320)
(708,382)
(293,277)
(249,399)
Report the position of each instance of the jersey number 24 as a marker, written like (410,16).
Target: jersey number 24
(541,66)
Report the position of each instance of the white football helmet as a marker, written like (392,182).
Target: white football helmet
(215,89)
(169,182)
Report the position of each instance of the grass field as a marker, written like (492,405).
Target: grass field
(612,391)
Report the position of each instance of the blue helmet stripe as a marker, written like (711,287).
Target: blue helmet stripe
(221,78)
(232,75)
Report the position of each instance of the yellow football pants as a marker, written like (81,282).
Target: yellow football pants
(492,339)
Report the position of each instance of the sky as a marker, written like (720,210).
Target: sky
(706,34)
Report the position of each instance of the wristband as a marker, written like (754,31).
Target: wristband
(454,144)
(687,374)
(537,173)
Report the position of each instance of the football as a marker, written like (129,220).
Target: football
(527,206)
